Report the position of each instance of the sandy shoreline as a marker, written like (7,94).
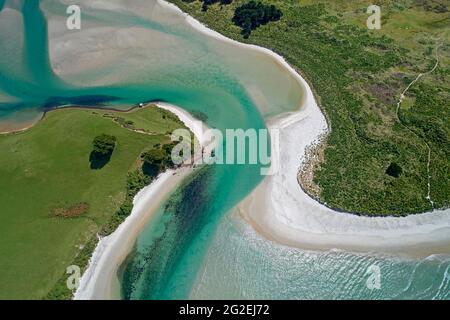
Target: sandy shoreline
(281,211)
(99,280)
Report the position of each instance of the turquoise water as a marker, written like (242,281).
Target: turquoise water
(242,265)
(192,249)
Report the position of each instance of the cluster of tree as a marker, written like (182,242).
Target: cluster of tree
(157,159)
(394,170)
(136,180)
(103,147)
(253,14)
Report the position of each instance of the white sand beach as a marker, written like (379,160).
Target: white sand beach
(100,279)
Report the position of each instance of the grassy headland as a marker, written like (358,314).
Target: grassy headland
(53,203)
(358,76)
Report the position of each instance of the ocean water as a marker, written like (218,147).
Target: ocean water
(240,264)
(130,52)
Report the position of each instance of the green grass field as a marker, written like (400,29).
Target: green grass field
(47,168)
(358,75)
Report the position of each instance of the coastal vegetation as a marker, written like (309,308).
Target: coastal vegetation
(104,145)
(248,16)
(158,159)
(54,204)
(358,76)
